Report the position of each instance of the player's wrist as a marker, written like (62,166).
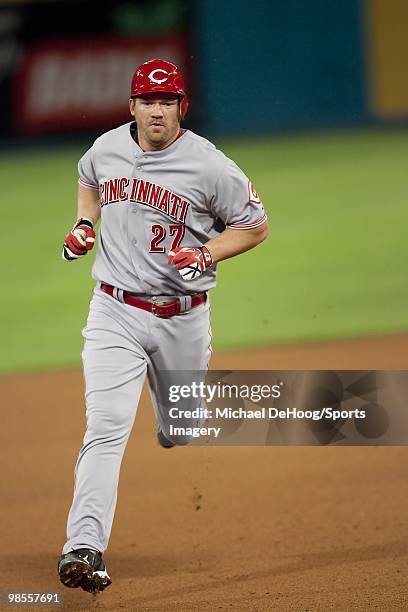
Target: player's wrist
(207,255)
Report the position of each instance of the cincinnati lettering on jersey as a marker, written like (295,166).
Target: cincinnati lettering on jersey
(143,192)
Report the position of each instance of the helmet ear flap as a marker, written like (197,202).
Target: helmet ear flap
(183,106)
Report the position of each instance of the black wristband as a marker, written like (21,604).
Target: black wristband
(86,222)
(207,256)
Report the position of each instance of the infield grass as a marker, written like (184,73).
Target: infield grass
(334,265)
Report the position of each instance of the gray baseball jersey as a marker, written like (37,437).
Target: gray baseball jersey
(153,201)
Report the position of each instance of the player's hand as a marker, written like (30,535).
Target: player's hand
(79,241)
(191,262)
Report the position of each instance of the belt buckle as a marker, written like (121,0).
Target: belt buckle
(159,303)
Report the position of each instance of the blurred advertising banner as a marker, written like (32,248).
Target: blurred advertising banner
(82,84)
(66,65)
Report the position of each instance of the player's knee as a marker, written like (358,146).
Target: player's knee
(109,424)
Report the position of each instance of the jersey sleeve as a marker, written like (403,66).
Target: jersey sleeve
(86,171)
(235,201)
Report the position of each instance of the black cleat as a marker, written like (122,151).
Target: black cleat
(163,441)
(83,568)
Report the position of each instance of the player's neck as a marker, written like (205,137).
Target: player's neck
(147,146)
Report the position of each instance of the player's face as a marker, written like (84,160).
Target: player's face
(158,120)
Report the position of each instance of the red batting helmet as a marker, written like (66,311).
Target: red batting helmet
(159,76)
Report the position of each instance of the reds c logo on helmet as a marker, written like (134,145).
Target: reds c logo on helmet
(159,76)
(152,76)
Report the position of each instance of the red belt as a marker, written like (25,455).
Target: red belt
(162,309)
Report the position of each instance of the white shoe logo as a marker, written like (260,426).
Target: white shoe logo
(86,559)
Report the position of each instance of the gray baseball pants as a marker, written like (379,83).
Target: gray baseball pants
(122,345)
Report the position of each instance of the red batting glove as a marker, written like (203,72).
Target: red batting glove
(191,262)
(79,241)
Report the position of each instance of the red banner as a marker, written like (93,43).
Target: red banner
(83,84)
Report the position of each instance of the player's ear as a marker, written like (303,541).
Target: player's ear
(132,106)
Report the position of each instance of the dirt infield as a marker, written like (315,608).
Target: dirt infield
(238,528)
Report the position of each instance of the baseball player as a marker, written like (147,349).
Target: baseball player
(170,207)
